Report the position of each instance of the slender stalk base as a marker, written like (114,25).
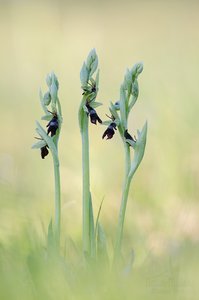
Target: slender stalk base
(86,186)
(125,193)
(57,202)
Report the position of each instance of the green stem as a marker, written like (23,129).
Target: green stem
(125,192)
(57,200)
(86,184)
(119,234)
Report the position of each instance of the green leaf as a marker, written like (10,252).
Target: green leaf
(50,237)
(127,270)
(39,145)
(139,150)
(92,229)
(85,109)
(97,219)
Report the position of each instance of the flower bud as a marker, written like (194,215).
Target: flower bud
(47,98)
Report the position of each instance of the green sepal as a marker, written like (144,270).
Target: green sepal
(94,66)
(47,98)
(39,145)
(46,117)
(53,92)
(48,80)
(42,102)
(113,111)
(92,62)
(95,104)
(84,75)
(123,111)
(117,122)
(128,80)
(107,123)
(49,140)
(136,70)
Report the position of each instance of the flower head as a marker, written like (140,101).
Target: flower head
(44,151)
(128,136)
(94,118)
(53,125)
(109,132)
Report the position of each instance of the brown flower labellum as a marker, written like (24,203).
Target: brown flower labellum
(94,118)
(128,136)
(53,125)
(109,132)
(44,151)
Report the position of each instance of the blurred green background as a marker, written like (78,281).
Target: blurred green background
(37,37)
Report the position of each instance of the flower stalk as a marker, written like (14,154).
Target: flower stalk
(86,110)
(119,114)
(49,140)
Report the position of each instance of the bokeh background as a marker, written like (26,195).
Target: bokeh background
(37,37)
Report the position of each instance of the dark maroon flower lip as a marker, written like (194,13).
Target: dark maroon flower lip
(128,136)
(94,118)
(53,125)
(109,132)
(44,151)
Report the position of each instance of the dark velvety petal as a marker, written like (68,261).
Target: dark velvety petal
(53,125)
(109,132)
(44,152)
(128,136)
(94,118)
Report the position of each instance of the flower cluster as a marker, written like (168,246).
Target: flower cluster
(53,118)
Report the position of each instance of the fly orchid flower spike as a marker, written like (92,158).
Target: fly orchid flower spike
(89,85)
(54,118)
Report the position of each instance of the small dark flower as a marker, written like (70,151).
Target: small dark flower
(94,118)
(128,136)
(44,151)
(53,125)
(109,132)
